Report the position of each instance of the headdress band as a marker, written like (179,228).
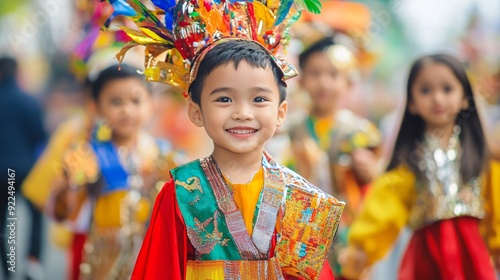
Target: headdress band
(288,70)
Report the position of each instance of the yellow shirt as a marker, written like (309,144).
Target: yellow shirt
(247,196)
(323,128)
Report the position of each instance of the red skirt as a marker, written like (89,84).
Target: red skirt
(76,255)
(448,250)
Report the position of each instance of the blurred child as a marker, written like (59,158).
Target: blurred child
(110,182)
(332,147)
(432,185)
(349,141)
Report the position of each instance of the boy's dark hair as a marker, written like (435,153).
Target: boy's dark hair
(412,129)
(112,73)
(318,47)
(235,51)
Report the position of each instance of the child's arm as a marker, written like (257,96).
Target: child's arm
(66,201)
(78,169)
(384,213)
(368,151)
(39,183)
(491,223)
(164,250)
(365,164)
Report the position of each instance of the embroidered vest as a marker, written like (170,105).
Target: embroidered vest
(309,219)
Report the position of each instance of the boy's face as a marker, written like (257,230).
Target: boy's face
(125,104)
(240,109)
(323,81)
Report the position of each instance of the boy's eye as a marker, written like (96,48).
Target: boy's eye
(116,101)
(136,100)
(260,99)
(224,99)
(447,88)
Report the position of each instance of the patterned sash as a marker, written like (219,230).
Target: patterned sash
(115,176)
(258,246)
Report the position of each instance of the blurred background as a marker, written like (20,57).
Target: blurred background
(50,41)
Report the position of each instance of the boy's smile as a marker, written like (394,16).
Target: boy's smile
(240,108)
(242,131)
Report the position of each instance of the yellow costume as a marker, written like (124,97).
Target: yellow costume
(38,185)
(385,211)
(387,208)
(40,180)
(120,203)
(491,222)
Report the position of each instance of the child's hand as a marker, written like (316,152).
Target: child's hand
(353,261)
(364,164)
(59,184)
(496,260)
(60,193)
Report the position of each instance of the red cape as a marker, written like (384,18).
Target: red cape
(166,247)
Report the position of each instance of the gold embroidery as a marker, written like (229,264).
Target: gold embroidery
(191,184)
(309,226)
(196,199)
(203,240)
(81,164)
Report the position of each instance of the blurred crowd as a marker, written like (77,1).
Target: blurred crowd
(342,132)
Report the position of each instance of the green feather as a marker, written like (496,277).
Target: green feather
(313,6)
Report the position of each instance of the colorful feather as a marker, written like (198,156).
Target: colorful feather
(120,8)
(283,11)
(313,6)
(169,7)
(164,4)
(144,16)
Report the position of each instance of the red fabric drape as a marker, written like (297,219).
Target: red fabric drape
(164,250)
(449,249)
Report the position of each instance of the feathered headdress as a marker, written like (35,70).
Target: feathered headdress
(94,13)
(176,44)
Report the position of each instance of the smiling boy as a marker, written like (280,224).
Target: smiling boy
(243,101)
(236,214)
